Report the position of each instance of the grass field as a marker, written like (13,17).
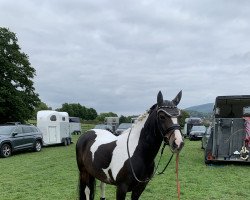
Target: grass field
(52,175)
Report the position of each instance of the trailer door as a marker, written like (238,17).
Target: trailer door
(52,134)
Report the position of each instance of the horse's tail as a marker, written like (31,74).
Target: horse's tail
(86,186)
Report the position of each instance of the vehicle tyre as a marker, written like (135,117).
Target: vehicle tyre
(38,146)
(68,141)
(5,151)
(65,143)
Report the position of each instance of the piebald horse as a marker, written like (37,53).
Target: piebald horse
(127,160)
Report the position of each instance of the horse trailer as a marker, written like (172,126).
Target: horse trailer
(54,126)
(75,125)
(113,122)
(230,130)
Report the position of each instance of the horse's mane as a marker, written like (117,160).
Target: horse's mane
(142,116)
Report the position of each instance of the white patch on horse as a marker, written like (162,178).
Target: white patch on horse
(177,133)
(87,192)
(102,137)
(120,154)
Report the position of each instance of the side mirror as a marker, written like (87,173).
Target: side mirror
(14,134)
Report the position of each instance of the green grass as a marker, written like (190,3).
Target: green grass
(52,174)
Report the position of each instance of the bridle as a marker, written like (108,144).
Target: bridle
(170,130)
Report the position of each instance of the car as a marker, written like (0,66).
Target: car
(15,137)
(122,127)
(197,132)
(104,127)
(204,139)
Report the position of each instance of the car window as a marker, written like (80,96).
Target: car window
(198,128)
(27,129)
(34,129)
(18,130)
(6,130)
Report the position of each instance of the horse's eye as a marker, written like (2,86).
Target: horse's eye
(162,117)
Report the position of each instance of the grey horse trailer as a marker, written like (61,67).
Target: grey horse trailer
(230,130)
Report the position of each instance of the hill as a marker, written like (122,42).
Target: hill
(204,108)
(203,111)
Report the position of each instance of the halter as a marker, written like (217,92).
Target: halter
(168,110)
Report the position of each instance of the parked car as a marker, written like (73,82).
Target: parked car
(205,137)
(122,127)
(104,127)
(16,137)
(197,132)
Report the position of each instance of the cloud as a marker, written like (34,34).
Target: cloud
(116,55)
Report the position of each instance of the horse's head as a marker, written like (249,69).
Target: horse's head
(167,119)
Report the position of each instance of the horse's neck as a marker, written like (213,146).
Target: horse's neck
(150,139)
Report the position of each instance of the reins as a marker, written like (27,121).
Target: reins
(170,129)
(132,168)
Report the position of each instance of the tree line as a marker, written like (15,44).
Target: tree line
(18,98)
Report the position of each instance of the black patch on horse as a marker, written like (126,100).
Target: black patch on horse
(103,155)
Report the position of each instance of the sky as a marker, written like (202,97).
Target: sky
(116,55)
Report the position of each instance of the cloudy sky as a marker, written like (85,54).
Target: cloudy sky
(115,55)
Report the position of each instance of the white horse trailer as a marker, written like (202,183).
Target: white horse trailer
(54,126)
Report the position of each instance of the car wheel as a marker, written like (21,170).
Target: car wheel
(5,150)
(38,146)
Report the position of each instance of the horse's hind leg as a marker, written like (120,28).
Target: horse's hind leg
(102,186)
(86,186)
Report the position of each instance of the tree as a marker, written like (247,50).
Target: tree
(17,93)
(41,106)
(91,114)
(127,119)
(184,115)
(102,116)
(77,110)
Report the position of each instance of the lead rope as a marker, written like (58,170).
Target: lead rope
(155,170)
(177,177)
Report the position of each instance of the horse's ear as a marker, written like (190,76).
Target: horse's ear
(159,98)
(177,99)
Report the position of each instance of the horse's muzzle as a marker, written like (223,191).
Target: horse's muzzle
(176,147)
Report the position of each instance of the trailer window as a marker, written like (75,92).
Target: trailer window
(63,118)
(53,118)
(246,110)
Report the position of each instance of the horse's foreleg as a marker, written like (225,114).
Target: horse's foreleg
(121,191)
(137,191)
(102,186)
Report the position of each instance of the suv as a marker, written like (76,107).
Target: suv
(122,127)
(16,136)
(197,132)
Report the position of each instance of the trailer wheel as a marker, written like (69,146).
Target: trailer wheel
(65,142)
(68,141)
(5,151)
